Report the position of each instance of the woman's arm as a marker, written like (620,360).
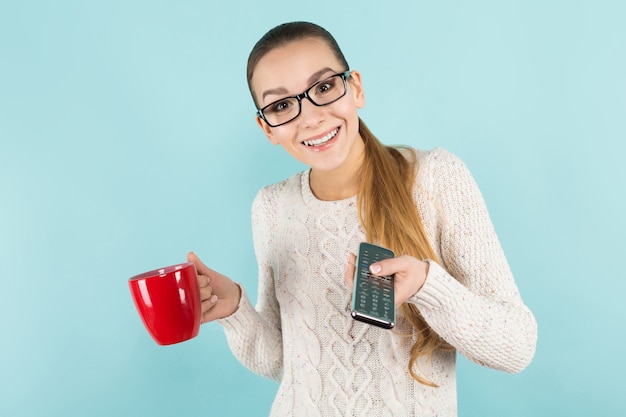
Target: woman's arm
(474,303)
(254,334)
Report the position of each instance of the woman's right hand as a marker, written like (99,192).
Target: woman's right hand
(220,295)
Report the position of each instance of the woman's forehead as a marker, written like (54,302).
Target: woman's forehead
(293,66)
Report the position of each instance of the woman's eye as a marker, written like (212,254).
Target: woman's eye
(325,87)
(280,106)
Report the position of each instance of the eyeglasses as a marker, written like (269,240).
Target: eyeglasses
(320,94)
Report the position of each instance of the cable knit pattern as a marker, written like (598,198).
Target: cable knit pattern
(301,332)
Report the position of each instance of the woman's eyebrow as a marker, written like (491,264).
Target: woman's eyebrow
(312,80)
(316,76)
(274,91)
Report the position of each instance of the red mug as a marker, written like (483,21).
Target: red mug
(168,302)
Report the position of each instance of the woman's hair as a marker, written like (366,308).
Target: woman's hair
(389,215)
(286,33)
(385,196)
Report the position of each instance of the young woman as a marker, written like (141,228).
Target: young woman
(454,289)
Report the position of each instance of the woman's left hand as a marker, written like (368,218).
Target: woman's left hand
(410,274)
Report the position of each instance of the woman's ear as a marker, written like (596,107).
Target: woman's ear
(356,87)
(267,130)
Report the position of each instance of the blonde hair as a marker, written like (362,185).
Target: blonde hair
(388,213)
(385,200)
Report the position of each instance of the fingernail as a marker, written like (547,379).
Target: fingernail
(375,268)
(213,298)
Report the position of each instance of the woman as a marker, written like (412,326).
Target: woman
(453,286)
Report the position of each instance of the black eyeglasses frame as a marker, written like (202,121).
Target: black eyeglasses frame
(305,94)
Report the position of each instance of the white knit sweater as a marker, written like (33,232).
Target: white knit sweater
(301,332)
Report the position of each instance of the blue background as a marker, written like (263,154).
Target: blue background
(127,139)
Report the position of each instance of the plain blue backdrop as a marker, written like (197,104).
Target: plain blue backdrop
(127,139)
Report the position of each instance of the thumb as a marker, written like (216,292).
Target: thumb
(200,266)
(385,267)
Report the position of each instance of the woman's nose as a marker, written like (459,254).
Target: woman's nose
(310,114)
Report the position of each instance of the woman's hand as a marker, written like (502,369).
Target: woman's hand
(410,274)
(219,294)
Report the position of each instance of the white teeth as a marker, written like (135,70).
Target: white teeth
(322,140)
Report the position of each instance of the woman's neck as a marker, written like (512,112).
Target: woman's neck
(336,185)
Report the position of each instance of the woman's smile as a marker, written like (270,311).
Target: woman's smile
(321,141)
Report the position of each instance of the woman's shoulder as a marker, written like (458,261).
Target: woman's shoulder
(434,156)
(280,191)
(433,162)
(439,169)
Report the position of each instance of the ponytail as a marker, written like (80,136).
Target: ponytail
(388,214)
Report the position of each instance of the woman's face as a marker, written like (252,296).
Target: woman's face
(325,138)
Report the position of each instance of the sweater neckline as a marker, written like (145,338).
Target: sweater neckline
(313,202)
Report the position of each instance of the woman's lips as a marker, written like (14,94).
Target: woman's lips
(323,140)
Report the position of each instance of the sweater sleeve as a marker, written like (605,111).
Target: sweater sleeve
(254,333)
(474,303)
